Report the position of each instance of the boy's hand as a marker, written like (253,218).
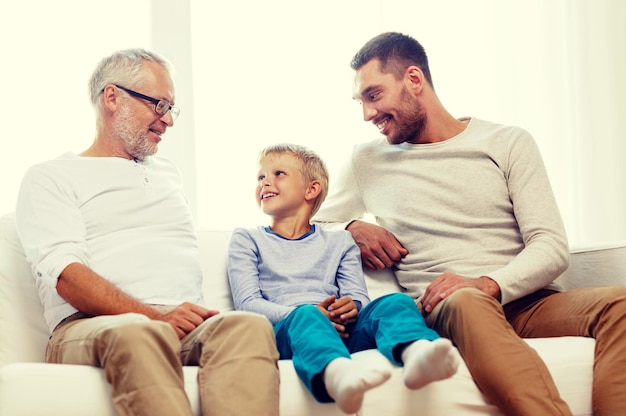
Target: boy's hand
(325,306)
(343,310)
(340,312)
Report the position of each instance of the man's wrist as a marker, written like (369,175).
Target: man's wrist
(349,224)
(489,286)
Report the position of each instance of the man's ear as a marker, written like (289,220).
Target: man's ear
(110,97)
(313,190)
(415,79)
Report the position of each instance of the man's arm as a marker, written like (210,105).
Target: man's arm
(379,248)
(545,253)
(344,203)
(343,209)
(92,294)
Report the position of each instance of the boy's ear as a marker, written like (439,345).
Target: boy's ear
(313,190)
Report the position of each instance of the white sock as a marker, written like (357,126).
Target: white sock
(426,361)
(346,382)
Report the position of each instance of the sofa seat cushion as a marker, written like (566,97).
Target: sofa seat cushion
(67,390)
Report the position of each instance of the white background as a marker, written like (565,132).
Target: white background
(255,73)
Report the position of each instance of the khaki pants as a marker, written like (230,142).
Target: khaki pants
(143,359)
(510,373)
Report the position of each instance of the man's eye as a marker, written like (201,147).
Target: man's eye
(374,96)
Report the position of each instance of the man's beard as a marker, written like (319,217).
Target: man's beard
(133,141)
(410,120)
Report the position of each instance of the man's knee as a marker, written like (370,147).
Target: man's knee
(244,324)
(467,299)
(464,307)
(134,334)
(613,294)
(240,332)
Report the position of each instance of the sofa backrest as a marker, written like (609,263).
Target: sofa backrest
(601,264)
(23,332)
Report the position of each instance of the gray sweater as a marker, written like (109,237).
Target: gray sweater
(477,204)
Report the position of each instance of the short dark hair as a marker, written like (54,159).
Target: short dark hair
(396,52)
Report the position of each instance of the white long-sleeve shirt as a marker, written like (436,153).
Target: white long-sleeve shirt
(478,204)
(128,221)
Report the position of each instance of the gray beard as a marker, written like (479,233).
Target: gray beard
(132,141)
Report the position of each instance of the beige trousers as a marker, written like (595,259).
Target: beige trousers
(142,359)
(510,373)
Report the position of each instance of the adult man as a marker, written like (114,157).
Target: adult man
(112,245)
(470,223)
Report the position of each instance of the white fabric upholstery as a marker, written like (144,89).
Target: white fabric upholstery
(28,386)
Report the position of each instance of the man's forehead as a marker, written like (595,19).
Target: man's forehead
(366,78)
(157,79)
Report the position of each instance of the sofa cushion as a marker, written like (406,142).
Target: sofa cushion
(24,332)
(570,360)
(78,390)
(24,335)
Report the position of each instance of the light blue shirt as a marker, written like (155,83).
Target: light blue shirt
(271,275)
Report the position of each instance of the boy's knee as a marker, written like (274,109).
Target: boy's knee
(306,310)
(401,298)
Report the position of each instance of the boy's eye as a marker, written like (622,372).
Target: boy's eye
(279,173)
(261,177)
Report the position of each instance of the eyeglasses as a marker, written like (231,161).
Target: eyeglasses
(161,107)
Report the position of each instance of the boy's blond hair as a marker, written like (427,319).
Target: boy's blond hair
(311,165)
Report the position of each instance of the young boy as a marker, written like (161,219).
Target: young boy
(309,283)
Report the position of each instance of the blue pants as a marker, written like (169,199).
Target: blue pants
(308,337)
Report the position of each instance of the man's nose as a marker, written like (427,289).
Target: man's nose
(168,119)
(368,112)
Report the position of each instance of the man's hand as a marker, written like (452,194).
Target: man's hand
(379,248)
(447,283)
(186,317)
(340,312)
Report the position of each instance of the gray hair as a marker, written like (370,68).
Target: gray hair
(311,165)
(122,67)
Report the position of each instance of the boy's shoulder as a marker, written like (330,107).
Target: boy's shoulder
(246,232)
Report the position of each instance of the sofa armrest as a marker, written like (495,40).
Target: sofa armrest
(23,328)
(595,265)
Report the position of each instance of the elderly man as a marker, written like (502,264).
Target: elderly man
(113,250)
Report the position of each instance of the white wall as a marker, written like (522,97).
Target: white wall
(278,71)
(254,73)
(49,50)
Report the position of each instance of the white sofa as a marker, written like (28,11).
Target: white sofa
(30,387)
